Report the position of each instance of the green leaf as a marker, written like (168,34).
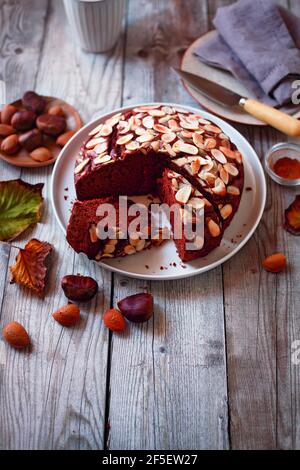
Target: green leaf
(20,207)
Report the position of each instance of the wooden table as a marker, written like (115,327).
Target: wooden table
(213,369)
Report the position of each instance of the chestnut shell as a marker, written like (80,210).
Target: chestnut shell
(79,288)
(137,308)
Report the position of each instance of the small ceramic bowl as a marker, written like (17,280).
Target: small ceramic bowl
(285,149)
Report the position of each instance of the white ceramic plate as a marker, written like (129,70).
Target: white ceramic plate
(162,263)
(190,63)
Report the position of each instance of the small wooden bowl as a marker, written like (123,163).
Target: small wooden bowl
(74,123)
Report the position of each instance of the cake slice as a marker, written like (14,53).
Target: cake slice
(83,231)
(190,207)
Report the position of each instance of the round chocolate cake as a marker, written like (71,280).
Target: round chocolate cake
(170,152)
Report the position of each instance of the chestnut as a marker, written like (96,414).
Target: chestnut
(137,308)
(30,140)
(51,125)
(23,120)
(79,288)
(36,103)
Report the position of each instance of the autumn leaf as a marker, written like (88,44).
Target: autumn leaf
(20,207)
(30,268)
(292,217)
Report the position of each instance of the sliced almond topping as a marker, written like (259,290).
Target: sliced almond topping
(146,137)
(181,161)
(155,145)
(140,245)
(220,188)
(196,203)
(228,152)
(106,255)
(212,128)
(123,127)
(106,130)
(187,148)
(183,194)
(168,137)
(148,122)
(146,108)
(161,129)
(219,156)
(114,119)
(133,145)
(81,165)
(173,125)
(208,166)
(186,134)
(123,140)
(109,248)
(214,228)
(238,156)
(100,148)
(129,250)
(224,175)
(192,125)
(226,211)
(174,183)
(233,190)
(102,159)
(210,143)
(169,150)
(93,142)
(203,121)
(231,169)
(198,140)
(210,178)
(168,110)
(198,242)
(195,167)
(96,130)
(164,119)
(156,112)
(93,233)
(140,130)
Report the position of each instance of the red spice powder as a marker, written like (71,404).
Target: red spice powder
(288,168)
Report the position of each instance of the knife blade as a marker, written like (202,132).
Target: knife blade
(279,120)
(211,90)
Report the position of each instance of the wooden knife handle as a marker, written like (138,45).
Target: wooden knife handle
(283,122)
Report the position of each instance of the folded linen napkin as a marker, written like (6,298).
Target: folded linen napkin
(259,43)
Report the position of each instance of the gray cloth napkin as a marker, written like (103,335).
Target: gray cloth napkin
(259,43)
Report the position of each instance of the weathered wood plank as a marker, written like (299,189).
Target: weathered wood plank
(168,377)
(61,398)
(261,324)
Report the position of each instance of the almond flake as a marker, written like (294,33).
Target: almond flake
(186,134)
(100,148)
(96,130)
(146,108)
(181,161)
(106,130)
(195,167)
(148,122)
(173,125)
(228,152)
(212,128)
(93,142)
(226,211)
(210,143)
(233,190)
(140,130)
(174,183)
(224,175)
(93,233)
(220,188)
(102,159)
(140,245)
(81,165)
(219,156)
(214,228)
(108,249)
(114,119)
(123,140)
(183,194)
(123,127)
(198,242)
(231,169)
(167,110)
(133,145)
(196,203)
(203,121)
(161,129)
(198,140)
(169,137)
(188,148)
(129,250)
(146,137)
(155,145)
(156,112)
(193,125)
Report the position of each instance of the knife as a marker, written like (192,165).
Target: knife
(283,122)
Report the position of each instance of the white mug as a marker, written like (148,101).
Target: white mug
(96,24)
